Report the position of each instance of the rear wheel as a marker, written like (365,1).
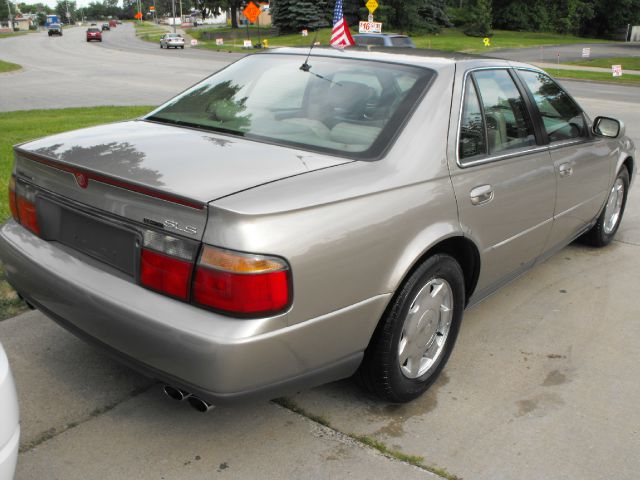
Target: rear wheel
(415,336)
(602,233)
(182,47)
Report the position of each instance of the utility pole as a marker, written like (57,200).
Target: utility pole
(140,11)
(10,19)
(68,16)
(173,13)
(180,11)
(155,18)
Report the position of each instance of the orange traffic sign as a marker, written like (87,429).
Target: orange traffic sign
(138,16)
(152,8)
(251,12)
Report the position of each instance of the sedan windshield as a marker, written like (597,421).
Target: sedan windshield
(334,105)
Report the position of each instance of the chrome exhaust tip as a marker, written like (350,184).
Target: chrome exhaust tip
(200,405)
(175,393)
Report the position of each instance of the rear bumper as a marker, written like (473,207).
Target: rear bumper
(221,359)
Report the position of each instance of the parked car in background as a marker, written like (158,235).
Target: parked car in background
(383,40)
(171,40)
(105,26)
(55,29)
(293,218)
(94,33)
(9,420)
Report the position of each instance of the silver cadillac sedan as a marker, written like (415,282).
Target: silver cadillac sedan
(293,220)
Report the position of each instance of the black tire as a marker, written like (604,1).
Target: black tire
(160,45)
(380,371)
(597,236)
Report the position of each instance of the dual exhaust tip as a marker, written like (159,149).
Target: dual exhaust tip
(180,395)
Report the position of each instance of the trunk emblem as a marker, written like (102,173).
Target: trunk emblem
(82,180)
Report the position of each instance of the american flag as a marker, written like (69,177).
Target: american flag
(340,36)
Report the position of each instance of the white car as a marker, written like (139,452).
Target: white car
(9,420)
(172,40)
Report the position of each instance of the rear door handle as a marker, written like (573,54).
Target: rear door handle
(565,170)
(481,195)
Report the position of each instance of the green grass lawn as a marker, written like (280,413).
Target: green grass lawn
(628,63)
(20,126)
(450,39)
(149,31)
(14,34)
(8,66)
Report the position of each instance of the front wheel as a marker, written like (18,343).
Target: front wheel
(416,334)
(602,233)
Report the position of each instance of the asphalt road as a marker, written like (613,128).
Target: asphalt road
(568,53)
(543,382)
(122,70)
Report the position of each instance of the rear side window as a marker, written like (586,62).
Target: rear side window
(508,123)
(472,133)
(379,41)
(562,118)
(401,42)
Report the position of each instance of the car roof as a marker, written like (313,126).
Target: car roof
(394,35)
(434,59)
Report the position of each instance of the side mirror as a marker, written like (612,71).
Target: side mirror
(608,127)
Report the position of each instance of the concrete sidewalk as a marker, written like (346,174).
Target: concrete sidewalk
(85,417)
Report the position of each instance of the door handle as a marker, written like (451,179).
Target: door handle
(481,195)
(565,170)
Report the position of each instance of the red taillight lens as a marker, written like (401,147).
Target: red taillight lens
(165,274)
(26,206)
(241,283)
(166,263)
(12,197)
(28,215)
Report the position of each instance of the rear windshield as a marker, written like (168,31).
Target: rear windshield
(93,30)
(342,106)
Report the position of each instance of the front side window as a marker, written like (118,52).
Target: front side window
(509,126)
(562,118)
(346,106)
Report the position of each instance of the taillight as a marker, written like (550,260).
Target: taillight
(26,206)
(241,283)
(166,264)
(12,197)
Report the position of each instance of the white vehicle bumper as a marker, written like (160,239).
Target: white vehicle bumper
(9,420)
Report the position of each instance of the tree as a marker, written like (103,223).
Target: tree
(296,15)
(481,18)
(63,7)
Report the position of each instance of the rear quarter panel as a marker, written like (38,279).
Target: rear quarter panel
(351,232)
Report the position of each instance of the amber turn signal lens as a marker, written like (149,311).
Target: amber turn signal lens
(239,263)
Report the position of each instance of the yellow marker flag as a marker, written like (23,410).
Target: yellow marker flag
(486,41)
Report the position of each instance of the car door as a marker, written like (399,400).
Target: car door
(582,163)
(502,176)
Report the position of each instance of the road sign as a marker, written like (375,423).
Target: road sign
(138,16)
(586,52)
(194,42)
(251,12)
(247,44)
(152,8)
(371,5)
(219,41)
(616,70)
(370,27)
(486,41)
(305,33)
